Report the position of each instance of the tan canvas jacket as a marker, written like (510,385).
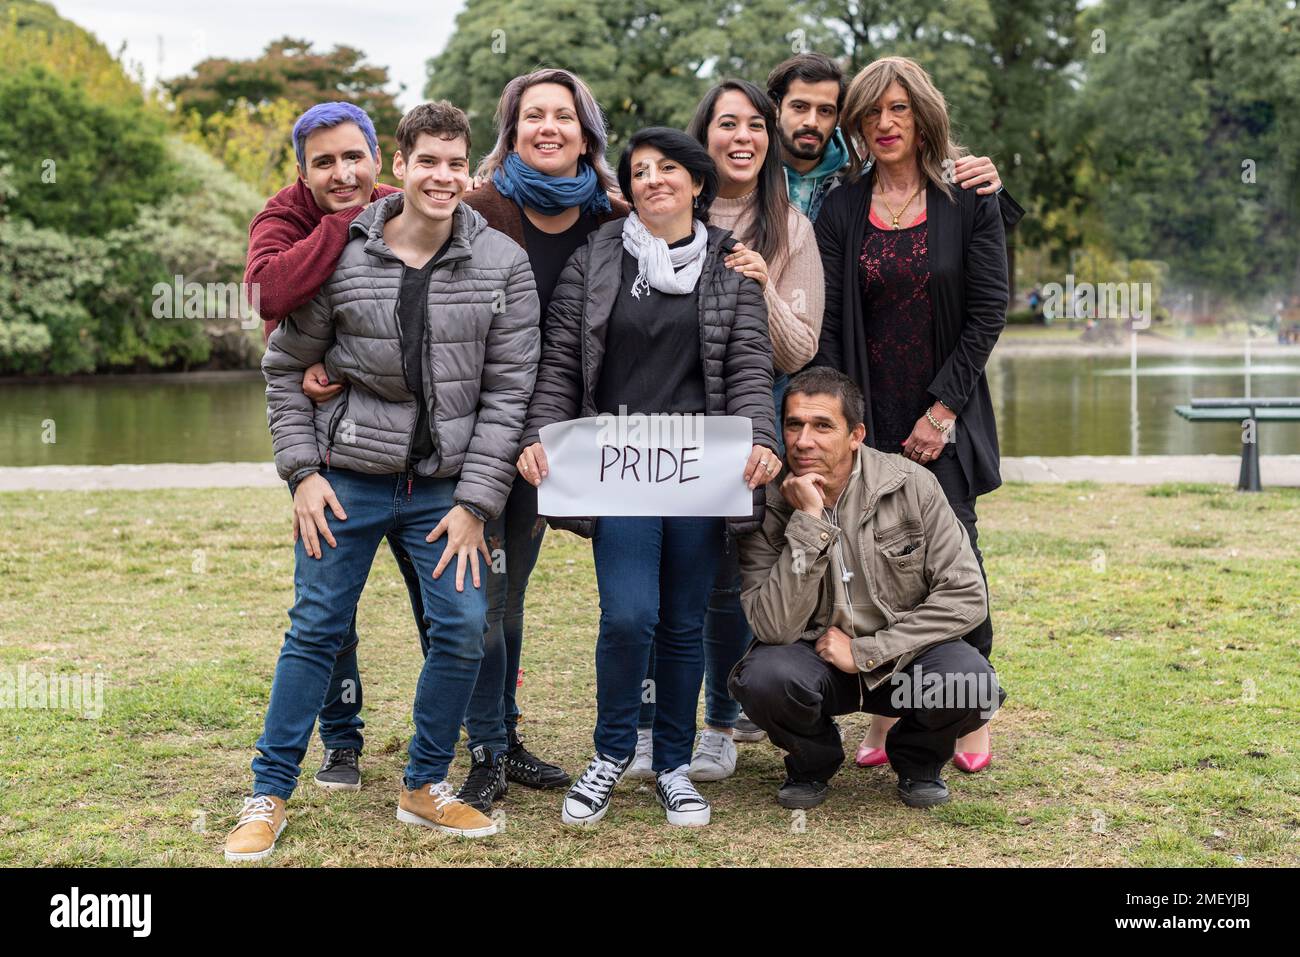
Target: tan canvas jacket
(914,578)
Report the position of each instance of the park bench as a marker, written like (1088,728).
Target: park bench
(1248,413)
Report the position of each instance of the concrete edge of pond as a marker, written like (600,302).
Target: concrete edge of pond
(1275,470)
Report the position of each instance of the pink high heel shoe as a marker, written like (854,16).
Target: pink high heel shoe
(870,757)
(971,762)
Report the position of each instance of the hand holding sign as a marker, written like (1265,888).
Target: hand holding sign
(532,464)
(762,466)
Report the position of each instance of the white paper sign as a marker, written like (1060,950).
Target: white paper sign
(668,465)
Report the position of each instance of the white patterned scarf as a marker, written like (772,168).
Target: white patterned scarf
(674,271)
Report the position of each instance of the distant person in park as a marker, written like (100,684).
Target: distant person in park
(545,185)
(916,297)
(775,246)
(294,243)
(648,318)
(808,90)
(859,588)
(434,317)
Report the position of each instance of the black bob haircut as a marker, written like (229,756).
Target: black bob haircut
(678,146)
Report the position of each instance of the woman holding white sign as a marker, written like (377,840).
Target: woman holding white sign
(648,318)
(736,123)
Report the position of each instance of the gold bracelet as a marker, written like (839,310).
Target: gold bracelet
(941,426)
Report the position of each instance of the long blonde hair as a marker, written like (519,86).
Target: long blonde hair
(935,146)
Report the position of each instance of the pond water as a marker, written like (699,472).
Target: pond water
(1044,406)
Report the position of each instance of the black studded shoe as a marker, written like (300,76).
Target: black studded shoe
(524,767)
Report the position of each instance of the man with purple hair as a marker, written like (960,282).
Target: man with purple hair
(294,244)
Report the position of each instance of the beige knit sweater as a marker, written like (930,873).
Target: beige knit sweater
(796,292)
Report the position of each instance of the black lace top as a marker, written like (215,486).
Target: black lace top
(899,330)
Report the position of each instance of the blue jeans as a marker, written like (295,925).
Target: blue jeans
(340,721)
(326,592)
(518,532)
(726,630)
(654,576)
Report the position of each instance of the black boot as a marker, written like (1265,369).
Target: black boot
(527,769)
(486,781)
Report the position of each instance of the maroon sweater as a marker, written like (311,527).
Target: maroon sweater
(293,247)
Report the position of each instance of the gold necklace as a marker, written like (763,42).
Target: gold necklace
(895,215)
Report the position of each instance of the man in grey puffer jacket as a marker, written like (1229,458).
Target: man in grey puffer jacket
(431,318)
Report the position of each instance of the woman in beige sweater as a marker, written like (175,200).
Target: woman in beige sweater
(736,123)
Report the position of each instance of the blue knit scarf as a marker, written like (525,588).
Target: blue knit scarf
(550,195)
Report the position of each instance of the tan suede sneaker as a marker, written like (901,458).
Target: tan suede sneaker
(436,806)
(260,823)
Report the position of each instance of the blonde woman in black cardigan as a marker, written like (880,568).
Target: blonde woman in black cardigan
(916,297)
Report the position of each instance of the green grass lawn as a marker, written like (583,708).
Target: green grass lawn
(1149,640)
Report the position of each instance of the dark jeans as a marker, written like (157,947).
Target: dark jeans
(726,630)
(947,469)
(326,592)
(792,694)
(340,720)
(654,577)
(518,533)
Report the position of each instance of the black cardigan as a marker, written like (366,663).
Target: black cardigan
(968,296)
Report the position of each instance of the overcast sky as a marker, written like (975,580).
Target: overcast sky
(186,33)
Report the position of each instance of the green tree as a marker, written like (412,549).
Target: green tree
(1189,120)
(646,63)
(80,166)
(288,70)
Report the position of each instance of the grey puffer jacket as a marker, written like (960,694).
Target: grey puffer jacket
(734,347)
(480,351)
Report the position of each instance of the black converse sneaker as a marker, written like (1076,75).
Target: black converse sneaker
(588,799)
(340,771)
(685,806)
(486,781)
(524,767)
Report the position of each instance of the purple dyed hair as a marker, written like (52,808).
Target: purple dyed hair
(326,115)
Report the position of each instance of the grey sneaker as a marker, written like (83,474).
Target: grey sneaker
(714,758)
(642,761)
(746,732)
(340,771)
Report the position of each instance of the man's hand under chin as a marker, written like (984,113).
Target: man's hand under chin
(805,493)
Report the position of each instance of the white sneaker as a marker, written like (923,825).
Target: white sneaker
(642,766)
(685,806)
(588,799)
(714,758)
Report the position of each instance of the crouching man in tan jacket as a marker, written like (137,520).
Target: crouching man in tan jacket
(858,588)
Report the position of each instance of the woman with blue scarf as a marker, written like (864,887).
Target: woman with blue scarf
(545,185)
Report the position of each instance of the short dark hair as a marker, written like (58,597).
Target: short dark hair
(438,118)
(823,380)
(810,68)
(678,146)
